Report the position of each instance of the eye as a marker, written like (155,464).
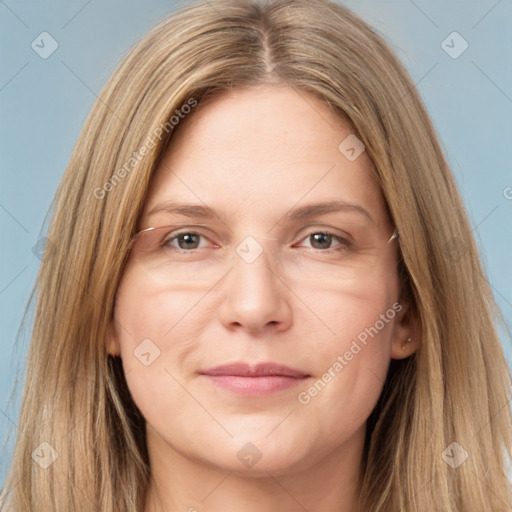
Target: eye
(322,240)
(186,240)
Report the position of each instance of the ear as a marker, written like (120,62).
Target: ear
(112,341)
(407,332)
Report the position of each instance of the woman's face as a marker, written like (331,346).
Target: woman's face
(257,277)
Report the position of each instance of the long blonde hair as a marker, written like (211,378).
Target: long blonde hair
(455,389)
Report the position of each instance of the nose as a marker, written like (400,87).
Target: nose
(255,298)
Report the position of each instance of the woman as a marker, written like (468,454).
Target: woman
(250,299)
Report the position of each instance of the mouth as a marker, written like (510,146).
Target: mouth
(259,380)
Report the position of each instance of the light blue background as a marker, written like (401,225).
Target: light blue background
(44,103)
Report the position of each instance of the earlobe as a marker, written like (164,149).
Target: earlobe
(404,348)
(407,334)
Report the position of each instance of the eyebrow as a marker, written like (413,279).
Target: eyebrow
(313,210)
(295,214)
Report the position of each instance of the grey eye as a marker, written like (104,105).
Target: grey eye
(187,240)
(320,240)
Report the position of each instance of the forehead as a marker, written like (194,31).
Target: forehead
(259,152)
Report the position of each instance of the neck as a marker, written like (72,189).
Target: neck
(329,483)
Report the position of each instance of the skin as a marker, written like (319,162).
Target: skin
(253,155)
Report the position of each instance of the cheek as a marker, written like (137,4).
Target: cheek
(352,358)
(156,330)
(364,313)
(165,326)
(149,309)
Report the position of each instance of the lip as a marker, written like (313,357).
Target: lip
(259,370)
(261,379)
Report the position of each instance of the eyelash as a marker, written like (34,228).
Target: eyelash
(344,243)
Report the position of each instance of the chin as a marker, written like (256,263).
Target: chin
(259,457)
